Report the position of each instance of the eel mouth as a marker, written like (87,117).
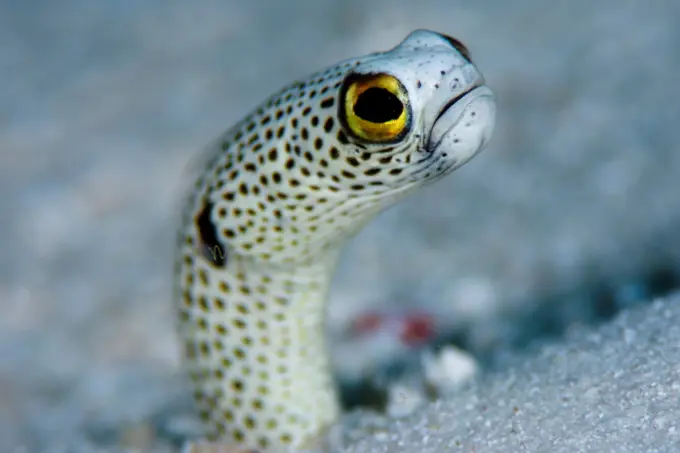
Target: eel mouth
(451,114)
(463,127)
(455,99)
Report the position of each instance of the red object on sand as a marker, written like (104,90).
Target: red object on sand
(417,329)
(411,329)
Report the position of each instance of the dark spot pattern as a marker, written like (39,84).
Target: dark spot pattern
(286,182)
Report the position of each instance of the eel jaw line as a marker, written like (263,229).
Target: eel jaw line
(464,126)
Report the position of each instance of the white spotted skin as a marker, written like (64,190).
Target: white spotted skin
(278,196)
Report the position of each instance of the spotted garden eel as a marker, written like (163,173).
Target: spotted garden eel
(278,196)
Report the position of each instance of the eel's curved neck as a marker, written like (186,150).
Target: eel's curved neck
(255,345)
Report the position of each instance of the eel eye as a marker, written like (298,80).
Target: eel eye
(375,107)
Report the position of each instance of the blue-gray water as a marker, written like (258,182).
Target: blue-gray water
(103,104)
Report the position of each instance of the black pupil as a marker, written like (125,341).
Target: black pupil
(378,105)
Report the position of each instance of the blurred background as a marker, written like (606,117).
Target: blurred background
(571,214)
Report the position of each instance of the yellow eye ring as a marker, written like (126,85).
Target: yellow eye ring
(375,107)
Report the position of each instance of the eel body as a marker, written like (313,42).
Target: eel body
(277,197)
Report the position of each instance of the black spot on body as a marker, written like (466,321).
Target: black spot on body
(209,245)
(353,162)
(328,102)
(276,177)
(328,125)
(342,138)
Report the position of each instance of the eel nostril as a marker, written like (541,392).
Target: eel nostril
(459,46)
